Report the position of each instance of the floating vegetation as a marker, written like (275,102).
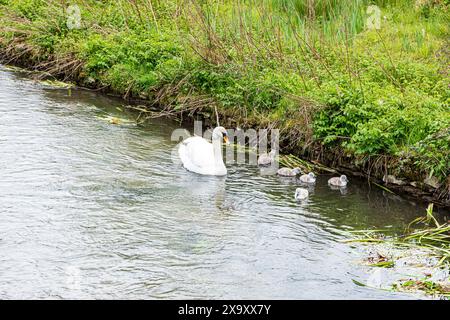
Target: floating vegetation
(417,261)
(13,68)
(383,264)
(292,161)
(116,120)
(424,285)
(55,84)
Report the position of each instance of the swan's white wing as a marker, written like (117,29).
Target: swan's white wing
(200,152)
(197,155)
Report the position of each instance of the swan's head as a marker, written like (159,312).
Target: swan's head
(296,171)
(343,178)
(311,175)
(220,133)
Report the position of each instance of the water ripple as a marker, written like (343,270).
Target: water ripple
(94,210)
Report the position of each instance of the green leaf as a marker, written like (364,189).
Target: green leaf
(358,283)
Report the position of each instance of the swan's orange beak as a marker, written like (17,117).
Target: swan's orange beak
(225,139)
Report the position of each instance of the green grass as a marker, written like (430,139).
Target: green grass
(315,71)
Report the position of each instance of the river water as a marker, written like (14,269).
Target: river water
(89,209)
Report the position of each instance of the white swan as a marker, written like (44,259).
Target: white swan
(301,194)
(200,156)
(308,178)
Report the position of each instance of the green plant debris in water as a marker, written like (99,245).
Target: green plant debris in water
(418,261)
(116,120)
(56,84)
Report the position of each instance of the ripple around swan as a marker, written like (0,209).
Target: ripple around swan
(105,206)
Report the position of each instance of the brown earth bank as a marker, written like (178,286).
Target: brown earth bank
(386,172)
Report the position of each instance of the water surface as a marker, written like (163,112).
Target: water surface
(89,209)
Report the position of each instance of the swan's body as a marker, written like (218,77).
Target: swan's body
(286,172)
(200,156)
(301,194)
(338,181)
(308,178)
(266,159)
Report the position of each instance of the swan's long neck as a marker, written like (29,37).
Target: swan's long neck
(217,147)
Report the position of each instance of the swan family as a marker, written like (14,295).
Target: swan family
(203,157)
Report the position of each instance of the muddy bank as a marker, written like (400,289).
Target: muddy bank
(383,171)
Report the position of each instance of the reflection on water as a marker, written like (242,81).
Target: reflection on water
(95,210)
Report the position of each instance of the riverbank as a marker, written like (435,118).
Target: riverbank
(368,102)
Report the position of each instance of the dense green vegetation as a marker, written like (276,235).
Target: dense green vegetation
(312,68)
